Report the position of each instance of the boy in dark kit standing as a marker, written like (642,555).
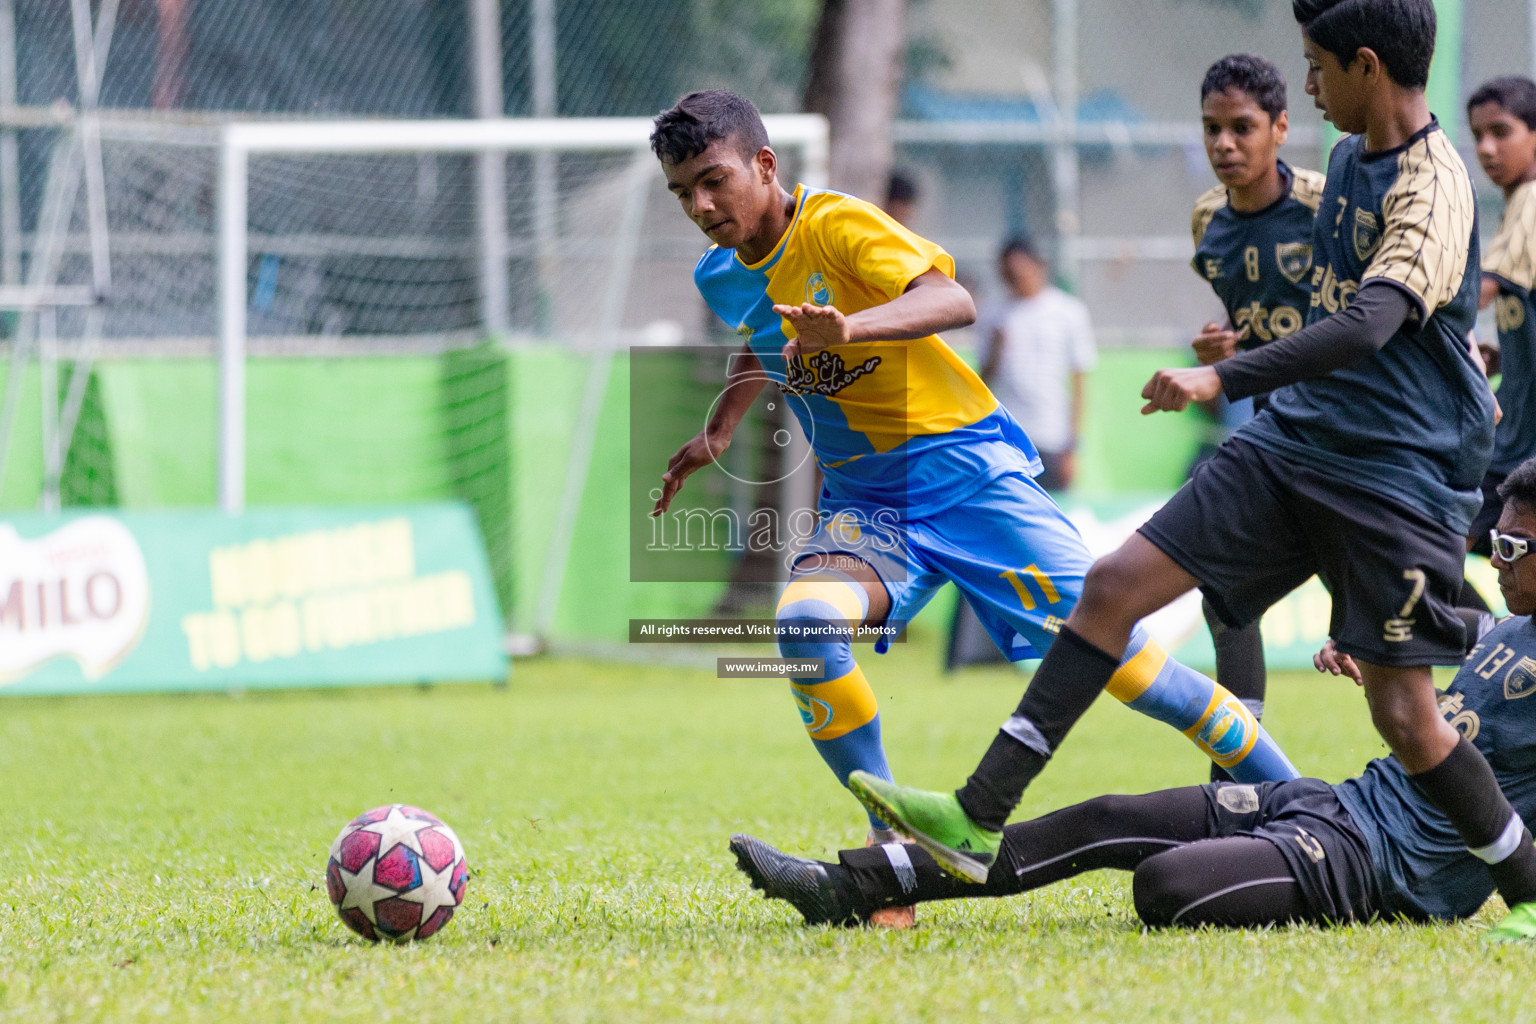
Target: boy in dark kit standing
(1503,117)
(1253,246)
(1365,469)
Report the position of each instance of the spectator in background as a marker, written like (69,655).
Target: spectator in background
(1036,351)
(901,198)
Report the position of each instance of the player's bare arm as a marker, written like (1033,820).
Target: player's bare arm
(932,303)
(741,390)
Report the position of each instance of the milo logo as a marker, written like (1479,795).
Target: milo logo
(80,592)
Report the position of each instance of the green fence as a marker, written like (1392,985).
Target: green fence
(489,426)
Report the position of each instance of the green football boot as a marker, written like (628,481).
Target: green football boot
(1519,925)
(934,821)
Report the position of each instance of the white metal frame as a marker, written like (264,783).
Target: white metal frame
(77,155)
(238,142)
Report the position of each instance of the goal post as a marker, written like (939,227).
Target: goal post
(610,255)
(239,141)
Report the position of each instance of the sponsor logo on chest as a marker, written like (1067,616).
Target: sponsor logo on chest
(824,373)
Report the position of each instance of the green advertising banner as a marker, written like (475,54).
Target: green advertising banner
(96,602)
(1293,629)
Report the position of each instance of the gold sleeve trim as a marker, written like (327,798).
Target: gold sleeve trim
(1426,230)
(1206,207)
(1510,254)
(1307,187)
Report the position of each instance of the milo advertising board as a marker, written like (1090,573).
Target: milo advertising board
(103,603)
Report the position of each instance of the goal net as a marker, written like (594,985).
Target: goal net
(375,311)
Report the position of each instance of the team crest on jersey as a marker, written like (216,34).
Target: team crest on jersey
(817,290)
(1294,260)
(1521,680)
(824,373)
(1367,234)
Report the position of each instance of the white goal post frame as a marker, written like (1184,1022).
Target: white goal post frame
(239,141)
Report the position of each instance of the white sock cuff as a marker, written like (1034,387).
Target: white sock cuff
(1504,846)
(906,875)
(1023,730)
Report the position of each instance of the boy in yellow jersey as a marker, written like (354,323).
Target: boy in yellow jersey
(927,479)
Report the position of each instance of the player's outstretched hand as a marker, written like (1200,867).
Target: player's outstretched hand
(693,456)
(1173,390)
(1329,659)
(816,327)
(1215,343)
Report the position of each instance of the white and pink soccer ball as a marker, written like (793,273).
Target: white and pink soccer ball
(396,873)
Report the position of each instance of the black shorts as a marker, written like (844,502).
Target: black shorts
(1252,526)
(1488,515)
(1321,844)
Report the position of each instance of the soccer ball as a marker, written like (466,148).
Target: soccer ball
(397,873)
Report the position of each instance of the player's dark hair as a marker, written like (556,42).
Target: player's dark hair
(1022,245)
(1250,74)
(1512,92)
(699,118)
(1401,32)
(1520,486)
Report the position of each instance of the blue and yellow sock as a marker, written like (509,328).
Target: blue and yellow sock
(1151,682)
(838,708)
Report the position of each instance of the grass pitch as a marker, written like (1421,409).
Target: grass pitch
(163,860)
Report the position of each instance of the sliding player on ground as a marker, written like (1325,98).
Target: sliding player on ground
(1253,245)
(1365,469)
(1232,855)
(927,479)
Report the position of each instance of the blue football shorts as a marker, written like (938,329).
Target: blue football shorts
(1010,549)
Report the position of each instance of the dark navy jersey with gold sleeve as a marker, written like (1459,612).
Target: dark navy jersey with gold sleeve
(1414,421)
(1511,261)
(1422,865)
(1259,263)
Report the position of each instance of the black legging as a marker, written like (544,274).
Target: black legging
(1182,876)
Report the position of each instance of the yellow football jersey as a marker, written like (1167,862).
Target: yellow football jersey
(881,416)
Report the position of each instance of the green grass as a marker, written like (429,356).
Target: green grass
(162,857)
